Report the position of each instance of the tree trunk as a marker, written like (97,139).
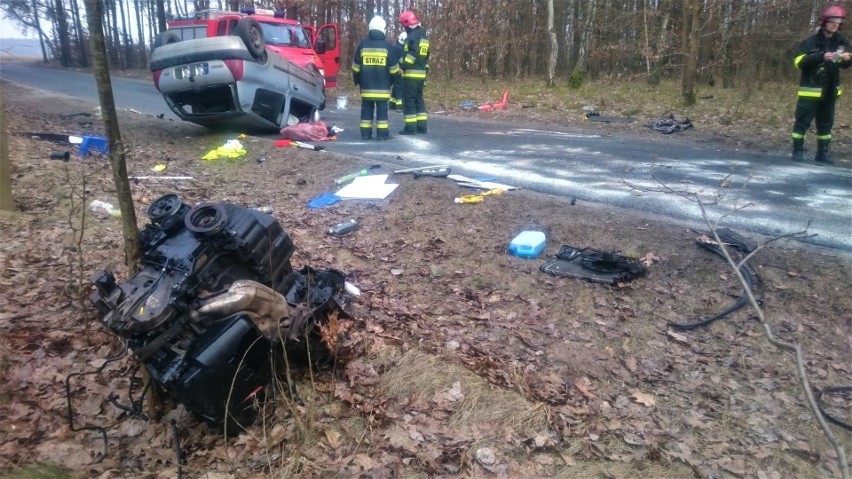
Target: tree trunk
(161,15)
(691,9)
(7,203)
(80,37)
(117,155)
(62,33)
(554,46)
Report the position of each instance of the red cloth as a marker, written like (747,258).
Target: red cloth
(316,131)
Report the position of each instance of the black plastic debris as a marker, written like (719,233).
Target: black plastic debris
(597,117)
(668,124)
(598,266)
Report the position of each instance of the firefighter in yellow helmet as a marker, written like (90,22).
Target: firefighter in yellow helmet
(373,68)
(415,65)
(820,58)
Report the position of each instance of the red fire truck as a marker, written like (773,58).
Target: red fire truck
(301,44)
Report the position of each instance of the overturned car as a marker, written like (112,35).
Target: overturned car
(234,81)
(216,310)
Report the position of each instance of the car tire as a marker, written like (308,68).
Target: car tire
(249,31)
(165,38)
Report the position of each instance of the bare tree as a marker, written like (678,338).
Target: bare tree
(691,26)
(117,155)
(554,46)
(7,203)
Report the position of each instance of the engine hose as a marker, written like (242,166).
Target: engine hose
(89,427)
(740,244)
(827,416)
(749,279)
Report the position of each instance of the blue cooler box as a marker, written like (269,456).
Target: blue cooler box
(94,144)
(528,244)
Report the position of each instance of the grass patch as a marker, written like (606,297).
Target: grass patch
(416,372)
(35,471)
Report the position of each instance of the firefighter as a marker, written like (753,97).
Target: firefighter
(373,69)
(415,65)
(396,91)
(819,58)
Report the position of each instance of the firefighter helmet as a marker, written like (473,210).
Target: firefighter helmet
(408,19)
(834,11)
(401,38)
(378,23)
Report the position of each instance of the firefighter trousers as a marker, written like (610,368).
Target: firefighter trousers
(808,109)
(379,108)
(413,105)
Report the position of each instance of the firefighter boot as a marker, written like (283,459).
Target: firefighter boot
(822,155)
(798,149)
(421,127)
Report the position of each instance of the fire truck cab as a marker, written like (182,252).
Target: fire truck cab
(303,45)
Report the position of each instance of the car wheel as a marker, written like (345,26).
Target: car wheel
(248,29)
(165,38)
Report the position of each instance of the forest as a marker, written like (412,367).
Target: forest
(729,43)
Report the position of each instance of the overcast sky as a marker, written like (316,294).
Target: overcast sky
(10,29)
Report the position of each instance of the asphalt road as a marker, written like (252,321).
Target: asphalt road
(772,196)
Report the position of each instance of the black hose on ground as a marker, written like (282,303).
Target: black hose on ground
(741,245)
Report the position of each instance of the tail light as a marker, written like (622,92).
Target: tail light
(236,68)
(156,76)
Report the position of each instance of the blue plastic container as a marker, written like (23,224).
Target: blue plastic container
(528,244)
(94,144)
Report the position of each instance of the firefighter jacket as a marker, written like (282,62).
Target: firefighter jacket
(415,63)
(820,79)
(374,66)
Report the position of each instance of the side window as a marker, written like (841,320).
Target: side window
(328,37)
(222,28)
(232,25)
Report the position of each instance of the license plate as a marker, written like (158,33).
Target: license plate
(191,71)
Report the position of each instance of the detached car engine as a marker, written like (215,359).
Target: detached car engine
(207,314)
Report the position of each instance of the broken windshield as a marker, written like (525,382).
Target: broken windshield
(280,34)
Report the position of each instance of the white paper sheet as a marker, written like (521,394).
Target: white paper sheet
(371,187)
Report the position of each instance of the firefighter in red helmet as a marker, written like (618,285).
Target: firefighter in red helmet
(415,65)
(819,59)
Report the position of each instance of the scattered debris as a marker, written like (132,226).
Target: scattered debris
(159,167)
(598,266)
(483,185)
(323,200)
(478,198)
(308,131)
(372,187)
(343,228)
(363,172)
(161,178)
(668,124)
(60,155)
(528,244)
(231,150)
(597,117)
(491,106)
(440,171)
(109,208)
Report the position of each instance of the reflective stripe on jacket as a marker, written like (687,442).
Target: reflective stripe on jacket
(819,76)
(415,61)
(374,65)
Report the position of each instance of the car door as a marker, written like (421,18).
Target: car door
(327,46)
